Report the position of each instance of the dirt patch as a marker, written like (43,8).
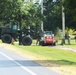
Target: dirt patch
(66,48)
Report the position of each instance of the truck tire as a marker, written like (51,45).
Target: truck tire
(26,40)
(6,38)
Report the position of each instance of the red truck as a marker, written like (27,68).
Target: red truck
(47,39)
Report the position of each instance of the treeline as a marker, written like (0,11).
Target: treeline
(53,14)
(23,11)
(30,13)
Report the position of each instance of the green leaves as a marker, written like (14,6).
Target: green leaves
(53,15)
(11,10)
(70,7)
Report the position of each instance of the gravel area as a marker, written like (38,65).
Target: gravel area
(65,48)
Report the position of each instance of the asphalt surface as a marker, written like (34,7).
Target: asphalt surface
(12,64)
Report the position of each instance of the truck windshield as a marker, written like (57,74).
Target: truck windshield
(48,32)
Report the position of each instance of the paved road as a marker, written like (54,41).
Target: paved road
(11,64)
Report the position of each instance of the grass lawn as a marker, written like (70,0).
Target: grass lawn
(58,60)
(72,43)
(51,55)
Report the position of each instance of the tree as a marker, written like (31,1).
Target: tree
(70,9)
(16,9)
(53,15)
(10,9)
(34,15)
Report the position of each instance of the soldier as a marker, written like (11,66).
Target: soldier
(75,38)
(39,35)
(68,38)
(38,38)
(63,41)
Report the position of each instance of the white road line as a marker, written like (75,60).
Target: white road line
(26,69)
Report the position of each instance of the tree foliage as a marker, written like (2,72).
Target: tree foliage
(53,14)
(14,10)
(70,9)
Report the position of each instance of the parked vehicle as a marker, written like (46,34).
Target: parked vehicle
(14,31)
(47,39)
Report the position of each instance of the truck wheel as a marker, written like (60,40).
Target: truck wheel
(6,38)
(26,40)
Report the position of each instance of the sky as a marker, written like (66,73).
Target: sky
(37,1)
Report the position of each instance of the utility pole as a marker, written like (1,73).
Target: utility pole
(63,21)
(42,28)
(20,35)
(63,24)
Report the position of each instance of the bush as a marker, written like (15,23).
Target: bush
(58,33)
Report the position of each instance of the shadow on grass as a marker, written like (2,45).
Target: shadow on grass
(56,63)
(62,62)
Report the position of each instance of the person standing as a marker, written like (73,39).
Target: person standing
(38,38)
(75,38)
(39,35)
(68,38)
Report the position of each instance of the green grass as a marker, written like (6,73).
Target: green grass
(72,43)
(52,55)
(57,59)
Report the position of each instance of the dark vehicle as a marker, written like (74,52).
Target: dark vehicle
(13,31)
(48,38)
